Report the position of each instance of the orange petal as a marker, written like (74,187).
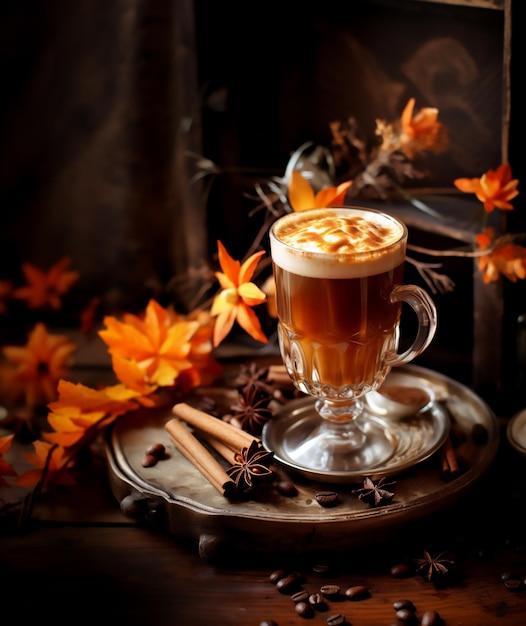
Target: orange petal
(301,194)
(229,266)
(249,322)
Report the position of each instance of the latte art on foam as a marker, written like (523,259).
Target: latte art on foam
(338,243)
(339,234)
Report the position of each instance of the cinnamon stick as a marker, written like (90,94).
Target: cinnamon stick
(198,455)
(450,467)
(233,437)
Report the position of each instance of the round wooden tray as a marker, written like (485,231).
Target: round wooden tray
(269,521)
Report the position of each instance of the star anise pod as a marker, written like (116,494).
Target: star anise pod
(375,494)
(432,567)
(252,409)
(252,376)
(251,467)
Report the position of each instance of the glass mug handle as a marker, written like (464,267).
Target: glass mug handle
(424,307)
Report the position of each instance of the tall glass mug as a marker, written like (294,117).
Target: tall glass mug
(339,291)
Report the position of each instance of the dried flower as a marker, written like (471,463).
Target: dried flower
(302,196)
(375,494)
(505,258)
(251,467)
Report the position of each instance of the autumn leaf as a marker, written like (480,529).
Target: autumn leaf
(302,196)
(495,189)
(46,288)
(5,468)
(34,369)
(238,295)
(56,459)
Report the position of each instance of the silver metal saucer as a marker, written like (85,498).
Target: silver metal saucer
(414,439)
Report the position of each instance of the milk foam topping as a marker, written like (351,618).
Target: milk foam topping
(338,243)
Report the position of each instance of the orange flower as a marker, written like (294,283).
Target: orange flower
(151,350)
(494,189)
(237,297)
(46,288)
(506,259)
(5,468)
(58,461)
(302,196)
(421,132)
(37,367)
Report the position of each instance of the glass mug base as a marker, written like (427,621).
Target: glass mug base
(358,444)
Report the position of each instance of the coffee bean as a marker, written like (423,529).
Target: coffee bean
(277,575)
(149,460)
(286,488)
(430,618)
(404,604)
(304,610)
(157,450)
(401,570)
(300,596)
(357,592)
(327,498)
(405,615)
(330,591)
(336,620)
(289,584)
(513,584)
(322,569)
(316,600)
(268,622)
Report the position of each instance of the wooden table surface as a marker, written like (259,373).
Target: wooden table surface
(81,560)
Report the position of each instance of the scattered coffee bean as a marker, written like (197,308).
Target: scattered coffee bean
(479,433)
(336,620)
(149,460)
(405,615)
(330,591)
(157,450)
(289,584)
(401,570)
(286,488)
(277,575)
(322,569)
(304,609)
(300,596)
(430,618)
(513,584)
(327,498)
(357,592)
(317,601)
(268,622)
(404,604)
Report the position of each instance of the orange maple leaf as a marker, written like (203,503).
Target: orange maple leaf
(238,295)
(46,288)
(155,346)
(34,369)
(56,459)
(302,196)
(5,468)
(421,132)
(494,189)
